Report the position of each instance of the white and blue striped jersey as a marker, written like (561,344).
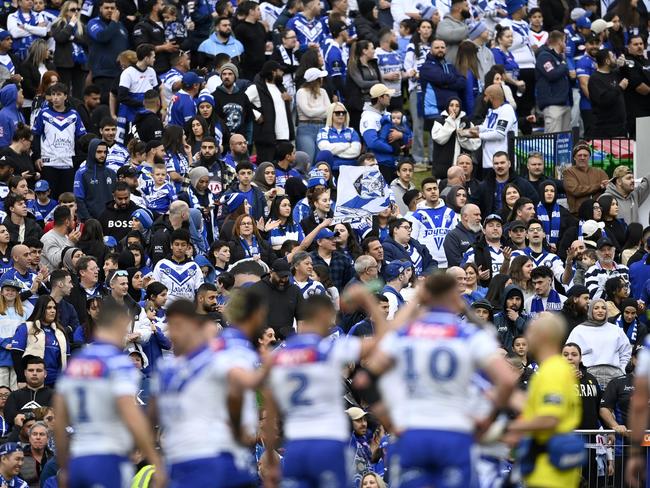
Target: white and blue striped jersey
(306,383)
(168,79)
(158,199)
(435,358)
(118,155)
(307,30)
(436,223)
(192,395)
(94,378)
(390,62)
(7,62)
(181,279)
(58,132)
(495,253)
(310,287)
(270,14)
(542,259)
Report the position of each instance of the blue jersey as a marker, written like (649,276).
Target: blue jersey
(93,380)
(586,66)
(436,223)
(52,350)
(283,233)
(307,31)
(345,139)
(159,199)
(575,46)
(177,163)
(336,60)
(310,287)
(390,62)
(542,259)
(26,280)
(182,109)
(14,482)
(58,133)
(45,210)
(282,175)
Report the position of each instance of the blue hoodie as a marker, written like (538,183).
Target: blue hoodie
(10,114)
(93,185)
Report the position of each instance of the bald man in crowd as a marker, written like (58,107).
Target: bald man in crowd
(455,177)
(466,233)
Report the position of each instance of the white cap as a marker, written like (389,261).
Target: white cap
(600,25)
(312,74)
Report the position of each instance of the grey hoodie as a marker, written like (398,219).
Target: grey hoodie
(628,208)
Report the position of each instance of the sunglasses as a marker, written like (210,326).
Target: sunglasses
(121,272)
(340,113)
(73,10)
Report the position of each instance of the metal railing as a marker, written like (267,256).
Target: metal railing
(556,148)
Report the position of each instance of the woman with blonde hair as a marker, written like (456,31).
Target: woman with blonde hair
(372,480)
(12,314)
(33,69)
(312,102)
(339,138)
(70,56)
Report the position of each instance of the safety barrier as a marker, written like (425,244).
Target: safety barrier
(556,148)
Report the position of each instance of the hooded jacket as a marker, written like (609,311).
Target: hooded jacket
(447,144)
(484,196)
(394,251)
(507,330)
(628,207)
(440,82)
(10,114)
(93,184)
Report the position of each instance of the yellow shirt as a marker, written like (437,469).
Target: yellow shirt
(553,393)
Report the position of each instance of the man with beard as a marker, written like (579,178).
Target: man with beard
(453,29)
(440,79)
(637,95)
(150,31)
(94,182)
(62,235)
(232,103)
(390,65)
(576,306)
(606,91)
(605,268)
(286,298)
(221,174)
(271,125)
(116,218)
(238,151)
(129,175)
(206,303)
(118,155)
(461,237)
(487,252)
(512,321)
(585,67)
(628,194)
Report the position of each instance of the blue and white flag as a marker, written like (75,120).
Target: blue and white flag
(361,193)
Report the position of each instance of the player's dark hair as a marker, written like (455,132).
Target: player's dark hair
(316,304)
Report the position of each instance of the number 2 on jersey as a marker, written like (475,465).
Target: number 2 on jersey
(298,396)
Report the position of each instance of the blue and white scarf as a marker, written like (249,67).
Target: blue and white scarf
(631,331)
(551,224)
(21,44)
(553,304)
(252,250)
(79,55)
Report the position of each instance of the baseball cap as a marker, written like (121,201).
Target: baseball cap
(393,269)
(604,242)
(577,12)
(517,224)
(324,234)
(127,171)
(4,34)
(379,90)
(493,218)
(153,144)
(356,413)
(144,216)
(281,267)
(41,186)
(12,284)
(8,448)
(590,227)
(600,25)
(191,78)
(621,171)
(577,290)
(583,22)
(312,74)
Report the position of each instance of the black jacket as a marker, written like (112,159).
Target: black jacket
(286,305)
(253,37)
(116,222)
(484,196)
(237,251)
(64,35)
(32,229)
(367,29)
(26,397)
(148,31)
(31,77)
(355,94)
(607,105)
(147,126)
(264,133)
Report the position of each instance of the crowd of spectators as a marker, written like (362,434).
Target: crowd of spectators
(153,151)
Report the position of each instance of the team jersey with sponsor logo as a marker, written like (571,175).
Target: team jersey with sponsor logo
(58,132)
(435,358)
(436,223)
(181,279)
(93,380)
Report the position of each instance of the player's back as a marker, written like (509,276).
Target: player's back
(93,380)
(307,384)
(192,403)
(435,359)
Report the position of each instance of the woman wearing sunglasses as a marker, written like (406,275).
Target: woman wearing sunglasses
(70,55)
(339,138)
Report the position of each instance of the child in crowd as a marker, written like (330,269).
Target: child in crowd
(175,30)
(159,194)
(396,121)
(44,204)
(225,282)
(520,348)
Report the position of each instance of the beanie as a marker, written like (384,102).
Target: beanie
(144,216)
(476,30)
(197,173)
(232,68)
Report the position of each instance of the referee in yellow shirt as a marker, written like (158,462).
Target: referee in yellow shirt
(553,405)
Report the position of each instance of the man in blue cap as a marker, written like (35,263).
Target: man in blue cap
(44,204)
(397,274)
(340,268)
(11,460)
(182,106)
